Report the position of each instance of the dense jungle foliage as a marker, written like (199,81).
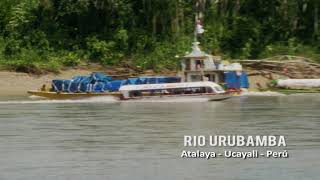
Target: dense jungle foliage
(50,34)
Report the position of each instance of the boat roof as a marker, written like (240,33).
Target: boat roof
(168,86)
(196,52)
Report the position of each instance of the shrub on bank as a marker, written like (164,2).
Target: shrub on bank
(291,47)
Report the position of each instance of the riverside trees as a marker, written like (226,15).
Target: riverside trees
(149,33)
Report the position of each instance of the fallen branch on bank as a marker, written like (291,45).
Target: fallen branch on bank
(290,66)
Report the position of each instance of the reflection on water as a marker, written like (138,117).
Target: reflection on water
(143,140)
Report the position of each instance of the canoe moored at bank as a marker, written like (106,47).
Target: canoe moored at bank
(203,89)
(67,95)
(297,83)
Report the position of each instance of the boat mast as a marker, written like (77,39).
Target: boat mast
(195,22)
(198,16)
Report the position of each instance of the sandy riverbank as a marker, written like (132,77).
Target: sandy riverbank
(17,84)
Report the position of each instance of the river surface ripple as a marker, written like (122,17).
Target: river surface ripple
(144,140)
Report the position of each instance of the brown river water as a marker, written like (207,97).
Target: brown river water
(104,139)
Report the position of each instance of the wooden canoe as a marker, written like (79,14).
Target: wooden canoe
(66,95)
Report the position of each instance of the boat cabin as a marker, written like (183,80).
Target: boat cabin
(199,66)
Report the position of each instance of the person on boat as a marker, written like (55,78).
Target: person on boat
(43,88)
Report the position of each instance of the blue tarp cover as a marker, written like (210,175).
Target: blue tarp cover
(134,81)
(234,81)
(244,81)
(99,82)
(100,77)
(159,79)
(57,85)
(116,84)
(98,87)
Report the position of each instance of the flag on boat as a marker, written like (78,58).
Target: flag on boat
(200,29)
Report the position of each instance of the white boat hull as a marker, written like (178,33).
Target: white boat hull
(220,97)
(177,98)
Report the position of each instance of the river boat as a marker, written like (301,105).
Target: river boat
(204,89)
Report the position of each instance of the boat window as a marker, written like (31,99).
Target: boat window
(199,64)
(135,93)
(212,78)
(218,88)
(189,90)
(209,90)
(195,90)
(188,64)
(177,91)
(195,78)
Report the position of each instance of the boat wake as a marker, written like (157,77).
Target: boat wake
(171,100)
(39,100)
(266,93)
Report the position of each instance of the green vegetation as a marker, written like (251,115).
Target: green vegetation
(45,35)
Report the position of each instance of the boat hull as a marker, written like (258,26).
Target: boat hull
(173,98)
(117,95)
(220,97)
(65,95)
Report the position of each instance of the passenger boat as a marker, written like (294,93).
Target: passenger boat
(203,89)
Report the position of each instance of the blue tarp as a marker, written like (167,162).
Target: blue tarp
(98,87)
(100,77)
(65,86)
(99,82)
(81,83)
(231,80)
(169,79)
(107,86)
(116,84)
(75,83)
(57,85)
(234,81)
(143,80)
(159,80)
(85,85)
(244,81)
(134,81)
(78,79)
(60,85)
(73,87)
(152,80)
